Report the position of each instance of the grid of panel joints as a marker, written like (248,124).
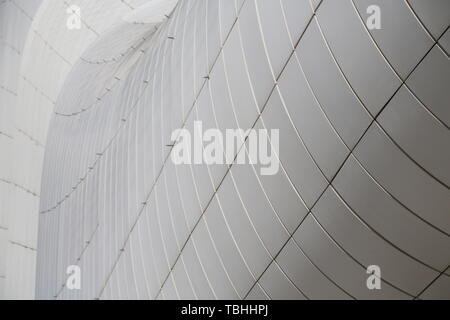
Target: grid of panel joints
(343,141)
(443,241)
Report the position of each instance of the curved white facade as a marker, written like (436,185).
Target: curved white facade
(363,117)
(37,52)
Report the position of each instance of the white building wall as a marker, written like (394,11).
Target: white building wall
(364,149)
(85,123)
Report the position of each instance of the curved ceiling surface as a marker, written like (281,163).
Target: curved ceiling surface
(364,152)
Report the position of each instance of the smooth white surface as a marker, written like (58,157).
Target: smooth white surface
(155,11)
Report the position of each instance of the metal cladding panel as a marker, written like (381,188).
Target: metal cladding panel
(364,152)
